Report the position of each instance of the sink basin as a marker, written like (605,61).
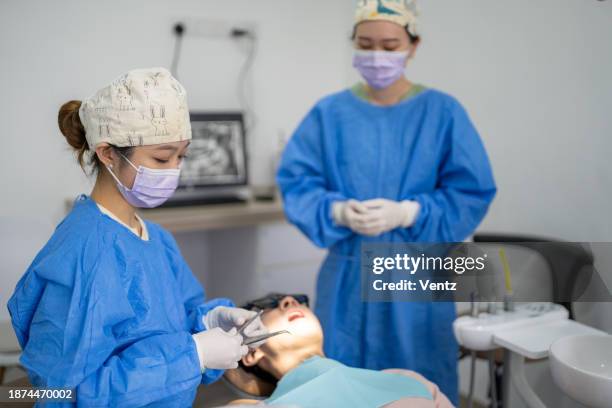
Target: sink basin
(582,367)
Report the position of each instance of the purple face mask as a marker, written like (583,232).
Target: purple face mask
(380,68)
(152,187)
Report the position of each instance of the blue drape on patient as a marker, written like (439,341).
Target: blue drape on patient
(109,314)
(322,382)
(424,149)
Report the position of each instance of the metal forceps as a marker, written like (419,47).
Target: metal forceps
(248,340)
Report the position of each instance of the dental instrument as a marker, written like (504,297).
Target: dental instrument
(256,339)
(248,340)
(248,322)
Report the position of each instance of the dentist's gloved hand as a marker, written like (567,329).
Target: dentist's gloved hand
(232,317)
(218,349)
(386,215)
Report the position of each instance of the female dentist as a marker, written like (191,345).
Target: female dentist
(385,161)
(108,306)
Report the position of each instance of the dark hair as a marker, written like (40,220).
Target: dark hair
(260,373)
(71,127)
(413,38)
(73,130)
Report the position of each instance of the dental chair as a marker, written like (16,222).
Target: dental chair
(552,272)
(20,240)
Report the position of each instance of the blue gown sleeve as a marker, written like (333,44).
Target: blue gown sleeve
(72,342)
(302,180)
(465,188)
(194,299)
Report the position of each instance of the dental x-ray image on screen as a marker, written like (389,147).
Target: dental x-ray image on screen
(216,154)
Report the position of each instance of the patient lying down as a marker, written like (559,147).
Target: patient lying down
(291,369)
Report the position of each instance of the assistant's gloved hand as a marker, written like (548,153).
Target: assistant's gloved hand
(351,214)
(232,317)
(218,349)
(385,215)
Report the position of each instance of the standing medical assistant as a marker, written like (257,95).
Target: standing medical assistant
(386,161)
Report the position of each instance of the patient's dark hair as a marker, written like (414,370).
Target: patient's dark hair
(260,373)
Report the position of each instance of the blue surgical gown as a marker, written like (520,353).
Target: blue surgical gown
(109,314)
(424,148)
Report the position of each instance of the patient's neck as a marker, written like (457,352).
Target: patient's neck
(281,364)
(277,365)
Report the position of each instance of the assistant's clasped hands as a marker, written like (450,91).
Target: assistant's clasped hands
(220,346)
(375,217)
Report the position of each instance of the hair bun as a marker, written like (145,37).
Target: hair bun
(71,126)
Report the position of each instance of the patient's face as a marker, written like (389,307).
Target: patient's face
(284,352)
(306,332)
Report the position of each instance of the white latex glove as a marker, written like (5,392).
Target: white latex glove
(352,214)
(232,317)
(218,349)
(385,215)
